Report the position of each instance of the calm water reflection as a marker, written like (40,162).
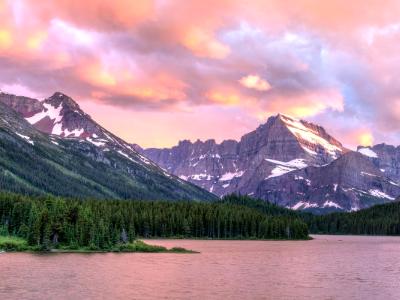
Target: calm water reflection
(325,268)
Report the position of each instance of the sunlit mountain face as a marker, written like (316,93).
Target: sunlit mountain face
(52,147)
(290,162)
(206,69)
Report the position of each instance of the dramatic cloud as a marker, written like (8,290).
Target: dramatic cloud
(164,63)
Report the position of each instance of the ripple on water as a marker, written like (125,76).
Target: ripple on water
(328,267)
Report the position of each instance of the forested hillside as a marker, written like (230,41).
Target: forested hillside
(34,163)
(378,220)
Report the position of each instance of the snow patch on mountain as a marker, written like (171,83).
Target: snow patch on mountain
(26,138)
(309,136)
(380,194)
(303,205)
(126,155)
(308,181)
(202,176)
(285,167)
(54,113)
(229,176)
(57,130)
(367,152)
(95,142)
(330,203)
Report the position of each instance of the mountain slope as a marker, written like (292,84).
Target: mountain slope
(350,183)
(33,162)
(281,145)
(385,157)
(290,162)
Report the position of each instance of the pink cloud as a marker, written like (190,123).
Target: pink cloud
(311,59)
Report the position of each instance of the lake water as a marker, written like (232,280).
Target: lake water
(328,267)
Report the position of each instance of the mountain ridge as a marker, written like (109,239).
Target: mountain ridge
(36,162)
(286,161)
(285,152)
(230,165)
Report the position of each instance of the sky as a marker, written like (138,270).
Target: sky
(156,72)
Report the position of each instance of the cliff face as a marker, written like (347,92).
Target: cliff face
(351,182)
(279,146)
(289,162)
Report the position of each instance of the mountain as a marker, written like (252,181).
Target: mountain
(279,146)
(385,157)
(350,183)
(290,162)
(53,147)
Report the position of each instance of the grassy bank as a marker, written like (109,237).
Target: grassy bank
(12,243)
(16,244)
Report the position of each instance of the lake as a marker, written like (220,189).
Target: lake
(328,267)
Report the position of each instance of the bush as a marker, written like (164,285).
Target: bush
(139,246)
(12,243)
(179,250)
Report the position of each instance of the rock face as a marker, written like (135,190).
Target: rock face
(386,158)
(350,183)
(59,115)
(281,145)
(289,162)
(52,146)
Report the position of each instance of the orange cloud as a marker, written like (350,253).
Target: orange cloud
(204,44)
(36,40)
(222,98)
(97,75)
(113,81)
(130,53)
(5,39)
(96,14)
(255,82)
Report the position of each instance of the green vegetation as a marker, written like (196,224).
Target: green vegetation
(47,222)
(381,219)
(13,243)
(80,169)
(140,246)
(262,206)
(377,220)
(17,244)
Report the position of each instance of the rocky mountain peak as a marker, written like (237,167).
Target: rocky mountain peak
(92,167)
(313,138)
(67,102)
(60,115)
(280,145)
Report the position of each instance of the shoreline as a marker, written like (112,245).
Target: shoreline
(15,244)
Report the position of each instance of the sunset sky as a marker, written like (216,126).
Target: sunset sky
(155,72)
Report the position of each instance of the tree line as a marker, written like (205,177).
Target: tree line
(48,221)
(381,219)
(377,220)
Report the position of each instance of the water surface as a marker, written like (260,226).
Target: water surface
(328,267)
